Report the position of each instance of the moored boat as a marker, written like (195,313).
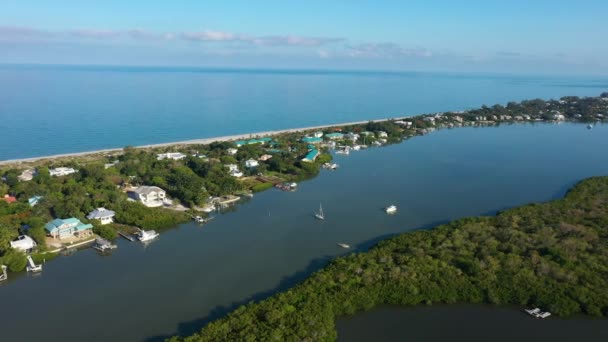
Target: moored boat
(343,245)
(146,235)
(391,209)
(103,245)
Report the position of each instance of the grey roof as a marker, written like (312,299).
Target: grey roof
(100,213)
(145,190)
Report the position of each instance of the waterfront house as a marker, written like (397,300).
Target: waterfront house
(9,199)
(62,171)
(351,136)
(27,175)
(34,200)
(318,134)
(312,154)
(170,155)
(265,157)
(150,196)
(23,243)
(104,215)
(559,117)
(251,163)
(253,141)
(66,228)
(382,134)
(232,151)
(334,136)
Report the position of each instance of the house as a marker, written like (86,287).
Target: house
(232,151)
(236,173)
(27,175)
(311,155)
(559,117)
(104,215)
(62,171)
(351,136)
(403,123)
(34,200)
(318,134)
(519,118)
(23,243)
(232,167)
(252,141)
(382,134)
(312,140)
(366,133)
(457,118)
(170,155)
(251,163)
(265,157)
(66,228)
(9,199)
(150,196)
(334,136)
(429,119)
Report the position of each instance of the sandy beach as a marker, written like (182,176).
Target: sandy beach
(202,141)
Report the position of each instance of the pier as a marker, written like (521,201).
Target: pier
(127,236)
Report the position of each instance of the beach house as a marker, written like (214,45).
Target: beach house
(66,228)
(150,196)
(251,163)
(104,215)
(62,171)
(9,199)
(232,151)
(170,155)
(27,175)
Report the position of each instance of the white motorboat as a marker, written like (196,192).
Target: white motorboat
(319,215)
(391,209)
(537,313)
(343,245)
(146,235)
(103,245)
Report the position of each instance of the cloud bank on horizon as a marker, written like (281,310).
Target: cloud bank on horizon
(430,35)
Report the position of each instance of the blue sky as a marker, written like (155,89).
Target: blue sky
(489,36)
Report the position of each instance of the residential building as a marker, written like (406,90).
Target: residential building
(251,163)
(27,175)
(351,136)
(103,215)
(170,155)
(312,140)
(312,154)
(62,171)
(318,134)
(66,228)
(253,141)
(265,157)
(232,151)
(9,199)
(382,134)
(559,117)
(150,196)
(232,167)
(34,200)
(334,136)
(23,243)
(236,173)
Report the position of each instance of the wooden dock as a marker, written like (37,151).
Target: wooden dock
(127,236)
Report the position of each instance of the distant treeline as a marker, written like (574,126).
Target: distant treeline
(553,255)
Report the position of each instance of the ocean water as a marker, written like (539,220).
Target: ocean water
(193,274)
(60,109)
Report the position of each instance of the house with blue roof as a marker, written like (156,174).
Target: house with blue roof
(312,140)
(253,141)
(312,154)
(34,200)
(66,228)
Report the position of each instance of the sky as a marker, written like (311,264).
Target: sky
(534,36)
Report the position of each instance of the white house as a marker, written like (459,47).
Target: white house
(104,215)
(150,196)
(382,134)
(265,157)
(236,173)
(170,155)
(251,163)
(232,151)
(559,117)
(27,175)
(318,134)
(62,171)
(232,167)
(23,243)
(351,136)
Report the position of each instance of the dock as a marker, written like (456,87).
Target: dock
(127,236)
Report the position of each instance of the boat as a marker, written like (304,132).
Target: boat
(146,235)
(537,313)
(103,245)
(3,276)
(356,147)
(343,245)
(391,209)
(319,215)
(199,219)
(589,126)
(330,166)
(345,151)
(32,267)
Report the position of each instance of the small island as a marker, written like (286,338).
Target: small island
(54,204)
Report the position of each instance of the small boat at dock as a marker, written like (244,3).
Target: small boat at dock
(343,245)
(391,209)
(200,219)
(103,245)
(146,235)
(330,166)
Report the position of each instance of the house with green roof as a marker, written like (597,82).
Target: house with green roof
(66,228)
(312,140)
(253,141)
(334,136)
(312,154)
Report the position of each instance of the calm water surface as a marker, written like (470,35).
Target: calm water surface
(193,273)
(465,323)
(54,109)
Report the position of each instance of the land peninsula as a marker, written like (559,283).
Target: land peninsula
(160,187)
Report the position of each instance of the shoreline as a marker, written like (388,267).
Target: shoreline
(200,141)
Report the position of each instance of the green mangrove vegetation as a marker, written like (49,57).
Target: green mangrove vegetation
(552,255)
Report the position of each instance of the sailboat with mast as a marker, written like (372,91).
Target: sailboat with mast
(319,215)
